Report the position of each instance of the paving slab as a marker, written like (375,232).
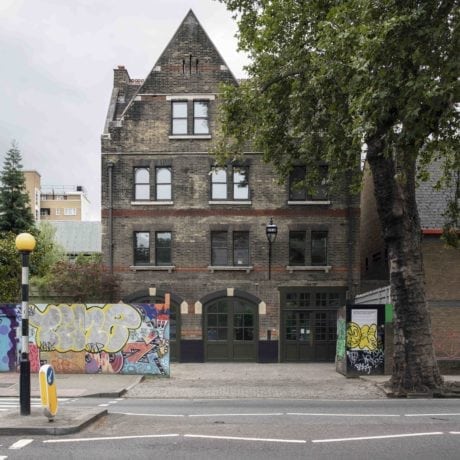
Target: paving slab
(68,420)
(255,380)
(74,385)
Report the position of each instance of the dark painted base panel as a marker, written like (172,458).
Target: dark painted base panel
(191,351)
(268,351)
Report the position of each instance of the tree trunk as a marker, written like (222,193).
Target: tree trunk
(415,368)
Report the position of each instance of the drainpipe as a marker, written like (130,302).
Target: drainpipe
(110,166)
(350,245)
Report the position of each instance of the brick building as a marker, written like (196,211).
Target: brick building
(441,263)
(175,223)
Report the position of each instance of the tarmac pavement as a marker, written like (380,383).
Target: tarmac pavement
(187,381)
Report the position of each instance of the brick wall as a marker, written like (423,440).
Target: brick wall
(140,135)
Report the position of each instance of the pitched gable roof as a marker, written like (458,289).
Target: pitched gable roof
(189,63)
(432,203)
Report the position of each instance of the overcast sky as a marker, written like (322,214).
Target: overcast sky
(57,61)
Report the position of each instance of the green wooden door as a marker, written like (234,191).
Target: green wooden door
(309,335)
(230,330)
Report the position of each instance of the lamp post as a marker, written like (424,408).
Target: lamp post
(25,244)
(271,230)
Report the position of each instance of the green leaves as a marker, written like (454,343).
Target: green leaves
(15,213)
(10,269)
(327,76)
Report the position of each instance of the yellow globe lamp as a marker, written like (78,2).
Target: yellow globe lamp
(25,242)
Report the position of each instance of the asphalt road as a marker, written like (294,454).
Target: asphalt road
(255,429)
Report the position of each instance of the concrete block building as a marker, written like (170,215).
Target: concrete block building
(174,222)
(56,202)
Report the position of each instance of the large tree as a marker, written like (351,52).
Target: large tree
(331,81)
(15,213)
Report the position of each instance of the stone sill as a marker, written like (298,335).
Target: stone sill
(309,202)
(153,268)
(309,268)
(230,268)
(191,136)
(152,203)
(232,202)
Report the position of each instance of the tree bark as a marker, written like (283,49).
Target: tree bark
(415,367)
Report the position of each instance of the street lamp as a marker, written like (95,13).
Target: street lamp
(271,230)
(25,244)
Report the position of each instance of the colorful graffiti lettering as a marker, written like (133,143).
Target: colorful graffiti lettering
(78,327)
(79,338)
(362,337)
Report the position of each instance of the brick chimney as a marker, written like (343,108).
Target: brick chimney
(120,76)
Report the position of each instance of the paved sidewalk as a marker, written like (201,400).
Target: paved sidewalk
(255,380)
(73,385)
(187,381)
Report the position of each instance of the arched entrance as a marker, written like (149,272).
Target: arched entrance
(230,326)
(143,296)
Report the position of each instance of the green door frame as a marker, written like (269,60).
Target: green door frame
(228,348)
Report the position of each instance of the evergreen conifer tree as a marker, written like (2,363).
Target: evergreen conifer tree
(15,213)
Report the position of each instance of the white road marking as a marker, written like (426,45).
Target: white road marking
(148,415)
(390,436)
(235,415)
(454,432)
(237,438)
(20,444)
(113,402)
(103,405)
(432,415)
(109,438)
(322,414)
(119,399)
(3,457)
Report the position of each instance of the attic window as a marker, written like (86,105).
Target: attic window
(190,118)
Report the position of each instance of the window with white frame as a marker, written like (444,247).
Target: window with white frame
(179,118)
(163,183)
(190,117)
(141,184)
(218,184)
(70,211)
(200,117)
(230,183)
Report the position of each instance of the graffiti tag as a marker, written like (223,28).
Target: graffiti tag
(79,327)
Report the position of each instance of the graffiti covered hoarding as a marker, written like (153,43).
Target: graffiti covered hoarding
(8,327)
(365,351)
(100,338)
